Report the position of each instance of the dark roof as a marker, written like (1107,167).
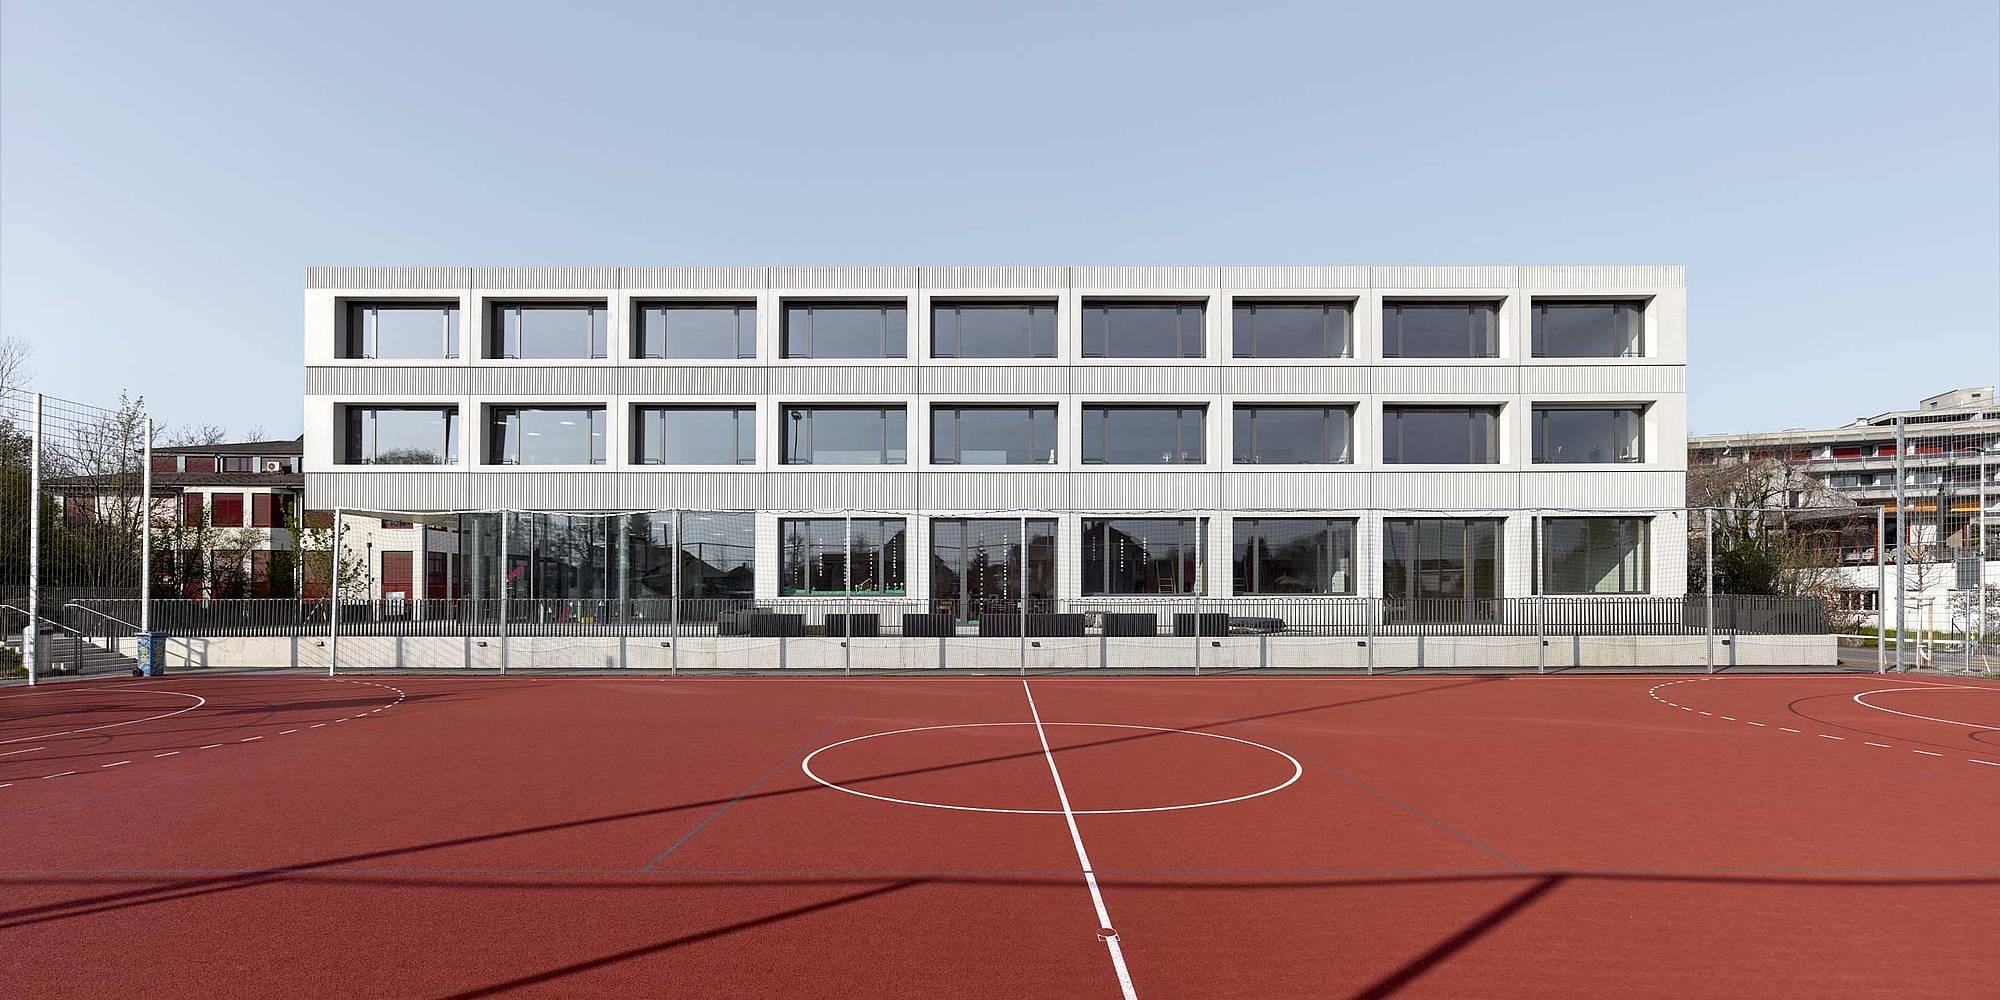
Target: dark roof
(296,446)
(181,480)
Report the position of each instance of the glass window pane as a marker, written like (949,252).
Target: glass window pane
(1143,330)
(1440,330)
(976,566)
(1595,555)
(414,331)
(1440,435)
(844,435)
(1290,435)
(549,330)
(845,330)
(1444,562)
(993,330)
(1143,435)
(993,435)
(1567,435)
(547,436)
(402,436)
(1291,330)
(1294,556)
(815,557)
(695,436)
(1141,556)
(697,330)
(1588,329)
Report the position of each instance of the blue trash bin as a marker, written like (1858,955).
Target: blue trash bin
(150,650)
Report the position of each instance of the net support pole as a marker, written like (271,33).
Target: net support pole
(674,605)
(1194,627)
(31,637)
(847,597)
(1881,591)
(146,531)
(1541,598)
(1901,537)
(506,585)
(1985,545)
(333,601)
(1708,585)
(1023,585)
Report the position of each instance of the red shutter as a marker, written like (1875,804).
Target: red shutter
(436,576)
(191,509)
(165,463)
(201,464)
(228,512)
(260,510)
(260,573)
(396,568)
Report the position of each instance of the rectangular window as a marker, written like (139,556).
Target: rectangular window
(694,435)
(696,330)
(993,435)
(559,330)
(191,508)
(1292,329)
(437,575)
(718,555)
(993,330)
(845,329)
(1431,567)
(1588,329)
(401,435)
(1593,555)
(261,511)
(410,330)
(1589,435)
(818,556)
(1144,435)
(1143,329)
(1429,329)
(1440,435)
(1143,556)
(844,435)
(976,566)
(227,511)
(1294,555)
(1292,435)
(546,435)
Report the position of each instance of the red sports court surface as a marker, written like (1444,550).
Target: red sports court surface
(277,836)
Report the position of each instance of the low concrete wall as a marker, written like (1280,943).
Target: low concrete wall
(815,653)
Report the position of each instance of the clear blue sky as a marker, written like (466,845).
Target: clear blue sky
(1828,172)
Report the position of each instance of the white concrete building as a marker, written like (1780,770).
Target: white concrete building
(1386,432)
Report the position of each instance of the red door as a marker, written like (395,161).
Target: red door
(397,579)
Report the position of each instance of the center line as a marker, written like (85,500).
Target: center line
(1082,857)
(1884,746)
(11,753)
(1788,729)
(115,763)
(1826,737)
(1928,753)
(169,753)
(247,739)
(211,746)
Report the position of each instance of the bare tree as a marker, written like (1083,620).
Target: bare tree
(15,371)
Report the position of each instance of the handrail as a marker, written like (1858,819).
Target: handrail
(45,619)
(102,615)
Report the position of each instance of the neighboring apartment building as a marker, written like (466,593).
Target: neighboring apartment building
(900,431)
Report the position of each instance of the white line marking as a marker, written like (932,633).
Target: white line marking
(1826,737)
(1703,713)
(7,784)
(1788,729)
(211,746)
(115,763)
(316,725)
(1911,715)
(1884,746)
(1989,763)
(65,774)
(247,739)
(198,702)
(805,765)
(288,732)
(1757,724)
(1082,857)
(11,753)
(169,753)
(1928,753)
(1725,718)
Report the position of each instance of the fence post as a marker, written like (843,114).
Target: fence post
(506,584)
(1881,591)
(146,532)
(1901,528)
(333,602)
(674,605)
(31,639)
(1708,586)
(1541,596)
(1023,574)
(1200,578)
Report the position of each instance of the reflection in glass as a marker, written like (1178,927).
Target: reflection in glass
(1594,555)
(1143,556)
(395,435)
(1588,435)
(1440,329)
(1294,555)
(1291,435)
(844,435)
(993,330)
(1440,435)
(993,435)
(560,330)
(407,330)
(1143,329)
(845,330)
(814,556)
(976,566)
(1588,329)
(695,435)
(1435,562)
(1144,435)
(696,330)
(553,435)
(1292,329)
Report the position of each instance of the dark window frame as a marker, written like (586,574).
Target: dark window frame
(1195,542)
(796,431)
(745,334)
(737,412)
(785,327)
(1035,412)
(1336,343)
(1101,412)
(358,343)
(1538,312)
(1643,536)
(353,435)
(892,554)
(1247,543)
(1392,331)
(1538,440)
(1392,424)
(957,307)
(1102,307)
(1332,452)
(1399,533)
(599,346)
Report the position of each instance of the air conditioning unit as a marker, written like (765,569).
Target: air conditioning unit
(274,466)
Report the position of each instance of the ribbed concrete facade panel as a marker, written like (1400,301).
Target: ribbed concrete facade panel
(719,380)
(691,278)
(1467,490)
(1611,381)
(1085,279)
(388,278)
(1022,380)
(1443,277)
(1276,278)
(1346,490)
(386,381)
(561,381)
(1115,491)
(1585,278)
(800,490)
(411,491)
(809,278)
(1168,380)
(1342,381)
(946,279)
(1486,380)
(562,279)
(994,491)
(859,382)
(547,490)
(1591,490)
(639,490)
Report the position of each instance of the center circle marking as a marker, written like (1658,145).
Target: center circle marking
(1297,770)
(1862,700)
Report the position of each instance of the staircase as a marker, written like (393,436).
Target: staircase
(69,655)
